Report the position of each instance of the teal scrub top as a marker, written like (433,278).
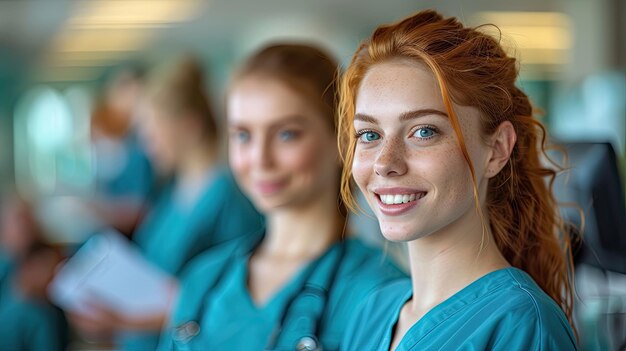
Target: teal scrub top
(503,310)
(216,312)
(136,178)
(27,324)
(172,235)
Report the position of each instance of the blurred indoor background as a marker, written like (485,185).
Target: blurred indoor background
(59,59)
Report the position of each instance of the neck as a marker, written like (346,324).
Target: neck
(194,164)
(303,232)
(445,262)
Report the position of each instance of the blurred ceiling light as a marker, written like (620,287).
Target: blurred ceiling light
(132,13)
(101,32)
(85,57)
(553,19)
(100,40)
(539,37)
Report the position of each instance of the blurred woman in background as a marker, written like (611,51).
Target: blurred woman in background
(296,286)
(124,178)
(200,207)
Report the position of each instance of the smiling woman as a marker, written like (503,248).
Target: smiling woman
(279,145)
(446,151)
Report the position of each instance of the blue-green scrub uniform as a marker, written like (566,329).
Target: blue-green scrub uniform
(172,235)
(27,324)
(216,312)
(135,179)
(504,310)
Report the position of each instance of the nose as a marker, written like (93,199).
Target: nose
(262,153)
(391,161)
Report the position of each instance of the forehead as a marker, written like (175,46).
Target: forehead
(395,87)
(262,100)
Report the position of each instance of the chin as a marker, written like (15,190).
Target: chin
(397,232)
(267,204)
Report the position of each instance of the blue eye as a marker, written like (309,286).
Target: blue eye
(287,135)
(425,132)
(242,136)
(369,136)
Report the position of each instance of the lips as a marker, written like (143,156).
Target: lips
(397,201)
(270,187)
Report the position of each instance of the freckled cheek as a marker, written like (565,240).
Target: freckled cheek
(444,168)
(453,176)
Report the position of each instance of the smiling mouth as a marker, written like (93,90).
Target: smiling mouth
(271,187)
(397,199)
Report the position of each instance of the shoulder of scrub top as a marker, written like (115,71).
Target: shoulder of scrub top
(205,270)
(537,321)
(236,215)
(198,278)
(370,319)
(364,269)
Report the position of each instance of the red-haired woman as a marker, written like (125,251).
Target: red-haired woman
(447,152)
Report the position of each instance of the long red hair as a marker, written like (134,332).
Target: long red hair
(472,69)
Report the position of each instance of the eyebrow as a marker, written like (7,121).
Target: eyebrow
(287,119)
(404,116)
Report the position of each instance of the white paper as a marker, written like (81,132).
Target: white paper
(109,270)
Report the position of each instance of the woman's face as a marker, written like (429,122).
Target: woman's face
(407,161)
(282,150)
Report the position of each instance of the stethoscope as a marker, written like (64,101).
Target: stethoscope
(303,312)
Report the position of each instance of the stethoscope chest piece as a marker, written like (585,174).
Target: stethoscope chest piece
(308,343)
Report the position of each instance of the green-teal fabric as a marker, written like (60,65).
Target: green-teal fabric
(27,324)
(215,299)
(504,310)
(172,234)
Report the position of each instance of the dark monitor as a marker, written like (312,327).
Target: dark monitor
(593,183)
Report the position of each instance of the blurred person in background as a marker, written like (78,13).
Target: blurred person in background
(199,208)
(27,263)
(124,177)
(297,284)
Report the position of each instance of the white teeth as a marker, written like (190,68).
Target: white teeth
(400,199)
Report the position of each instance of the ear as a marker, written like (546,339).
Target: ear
(503,141)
